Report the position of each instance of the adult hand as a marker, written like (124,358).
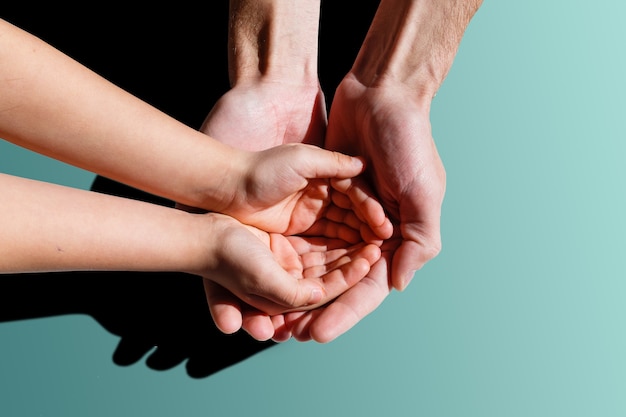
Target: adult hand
(258,115)
(388,126)
(391,129)
(266,114)
(381,112)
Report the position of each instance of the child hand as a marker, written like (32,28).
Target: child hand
(275,273)
(287,189)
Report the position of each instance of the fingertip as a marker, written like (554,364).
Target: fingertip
(405,280)
(316,295)
(299,324)
(385,230)
(282,332)
(359,267)
(324,334)
(309,294)
(379,222)
(409,258)
(281,336)
(375,253)
(223,307)
(359,162)
(227,321)
(258,326)
(402,274)
(362,264)
(322,337)
(351,165)
(369,236)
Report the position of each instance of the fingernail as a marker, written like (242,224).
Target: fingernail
(360,162)
(316,296)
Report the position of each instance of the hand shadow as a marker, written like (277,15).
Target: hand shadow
(147,310)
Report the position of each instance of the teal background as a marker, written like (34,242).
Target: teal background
(522,314)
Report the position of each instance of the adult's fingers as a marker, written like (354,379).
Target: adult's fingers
(328,323)
(225,308)
(421,242)
(230,315)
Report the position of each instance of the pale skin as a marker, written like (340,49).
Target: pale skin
(380,111)
(275,98)
(68,229)
(53,105)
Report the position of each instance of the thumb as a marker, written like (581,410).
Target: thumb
(315,162)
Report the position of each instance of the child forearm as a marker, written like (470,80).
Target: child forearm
(55,106)
(47,227)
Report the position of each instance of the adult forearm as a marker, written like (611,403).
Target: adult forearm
(55,106)
(47,227)
(274,39)
(413,42)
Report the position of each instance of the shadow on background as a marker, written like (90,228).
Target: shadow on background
(175,58)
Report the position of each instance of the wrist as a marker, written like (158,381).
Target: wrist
(273,40)
(413,42)
(199,251)
(84,230)
(393,51)
(387,90)
(214,177)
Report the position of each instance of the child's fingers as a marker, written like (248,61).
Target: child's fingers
(341,269)
(363,203)
(316,264)
(341,215)
(333,230)
(315,162)
(306,244)
(258,324)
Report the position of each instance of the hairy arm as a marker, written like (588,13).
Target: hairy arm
(381,112)
(273,39)
(413,42)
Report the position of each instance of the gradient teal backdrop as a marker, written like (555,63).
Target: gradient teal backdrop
(523,312)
